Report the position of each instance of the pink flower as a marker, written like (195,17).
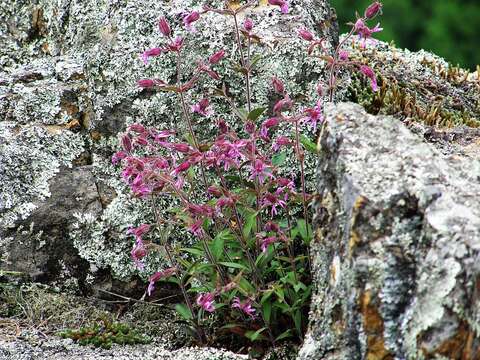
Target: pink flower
(118,156)
(150,53)
(368,72)
(139,231)
(373,10)
(127,143)
(281,141)
(259,170)
(157,277)
(202,108)
(283,105)
(206,301)
(245,306)
(314,115)
(267,124)
(248,25)
(164,27)
(148,83)
(215,191)
(197,229)
(138,253)
(278,86)
(189,19)
(305,34)
(176,45)
(271,226)
(283,4)
(267,241)
(273,201)
(182,167)
(215,58)
(364,31)
(138,128)
(206,69)
(181,147)
(343,55)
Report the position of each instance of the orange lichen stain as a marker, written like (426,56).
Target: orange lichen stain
(360,203)
(95,135)
(354,241)
(373,327)
(74,125)
(463,345)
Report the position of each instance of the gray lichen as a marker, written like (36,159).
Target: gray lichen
(396,256)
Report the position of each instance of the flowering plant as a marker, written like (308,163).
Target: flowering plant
(250,261)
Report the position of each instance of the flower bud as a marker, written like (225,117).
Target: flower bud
(164,27)
(343,55)
(189,19)
(138,128)
(373,10)
(250,127)
(127,143)
(146,83)
(215,58)
(248,24)
(305,34)
(278,85)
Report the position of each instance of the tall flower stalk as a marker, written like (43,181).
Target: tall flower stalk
(249,261)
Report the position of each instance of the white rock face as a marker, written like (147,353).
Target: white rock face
(68,87)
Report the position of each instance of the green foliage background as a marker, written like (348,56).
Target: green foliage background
(449,28)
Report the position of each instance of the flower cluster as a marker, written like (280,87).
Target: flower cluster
(251,224)
(341,57)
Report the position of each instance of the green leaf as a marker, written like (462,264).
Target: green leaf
(266,295)
(279,159)
(255,59)
(256,113)
(194,251)
(297,318)
(280,294)
(245,287)
(217,245)
(299,286)
(284,335)
(251,219)
(184,311)
(233,265)
(257,335)
(267,311)
(308,144)
(302,229)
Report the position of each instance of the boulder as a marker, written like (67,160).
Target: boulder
(68,87)
(397,246)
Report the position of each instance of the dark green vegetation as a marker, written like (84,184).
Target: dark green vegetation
(104,333)
(446,27)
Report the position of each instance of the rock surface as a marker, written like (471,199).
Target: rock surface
(54,349)
(397,248)
(68,87)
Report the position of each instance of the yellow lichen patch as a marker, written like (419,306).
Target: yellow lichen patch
(373,327)
(354,241)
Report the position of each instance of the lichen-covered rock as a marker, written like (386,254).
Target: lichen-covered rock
(71,67)
(397,247)
(416,86)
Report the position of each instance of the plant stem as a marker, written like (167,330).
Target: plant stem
(302,173)
(170,256)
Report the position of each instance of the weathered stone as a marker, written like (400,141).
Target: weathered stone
(397,247)
(70,67)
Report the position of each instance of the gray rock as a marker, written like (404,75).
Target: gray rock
(58,349)
(70,67)
(397,248)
